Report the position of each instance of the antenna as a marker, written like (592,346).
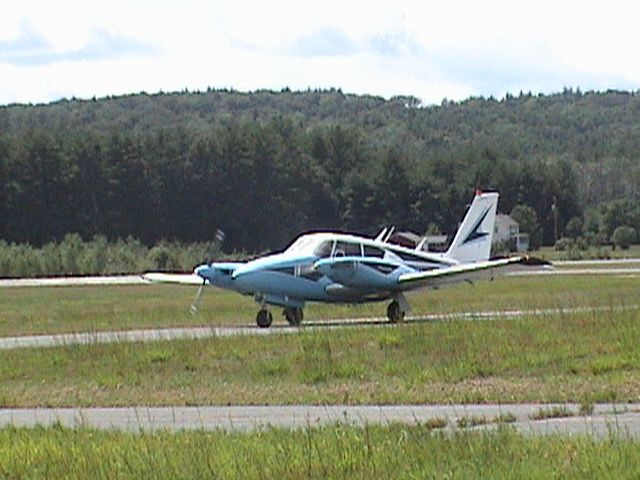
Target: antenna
(381,235)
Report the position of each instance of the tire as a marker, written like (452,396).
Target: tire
(394,314)
(264,318)
(294,316)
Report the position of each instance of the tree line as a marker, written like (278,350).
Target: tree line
(265,166)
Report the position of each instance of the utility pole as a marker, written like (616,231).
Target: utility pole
(554,209)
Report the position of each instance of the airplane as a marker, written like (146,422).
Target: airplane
(344,268)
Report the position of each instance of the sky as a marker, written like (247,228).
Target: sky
(431,50)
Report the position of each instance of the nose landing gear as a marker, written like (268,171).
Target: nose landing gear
(264,319)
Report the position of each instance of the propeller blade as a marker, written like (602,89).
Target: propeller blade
(196,301)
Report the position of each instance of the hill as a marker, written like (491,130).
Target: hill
(263,166)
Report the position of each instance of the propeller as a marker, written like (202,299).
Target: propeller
(219,238)
(196,301)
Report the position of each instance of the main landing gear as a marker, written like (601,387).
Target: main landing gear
(394,314)
(397,308)
(293,315)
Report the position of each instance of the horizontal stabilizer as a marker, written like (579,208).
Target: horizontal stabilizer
(466,272)
(176,278)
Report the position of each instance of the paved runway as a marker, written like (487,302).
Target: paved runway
(164,334)
(73,281)
(623,419)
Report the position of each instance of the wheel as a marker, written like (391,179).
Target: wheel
(293,315)
(394,314)
(264,318)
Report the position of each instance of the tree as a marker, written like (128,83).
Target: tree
(3,182)
(624,236)
(574,227)
(528,221)
(38,193)
(618,213)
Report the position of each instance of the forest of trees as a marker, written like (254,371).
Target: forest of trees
(265,166)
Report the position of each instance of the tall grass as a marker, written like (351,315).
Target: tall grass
(334,452)
(73,256)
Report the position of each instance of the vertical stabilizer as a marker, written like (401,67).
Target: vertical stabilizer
(472,242)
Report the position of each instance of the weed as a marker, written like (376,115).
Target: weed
(336,451)
(472,421)
(553,412)
(158,356)
(606,365)
(505,418)
(586,408)
(436,423)
(390,340)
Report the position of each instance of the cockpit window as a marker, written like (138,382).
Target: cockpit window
(346,249)
(370,251)
(324,249)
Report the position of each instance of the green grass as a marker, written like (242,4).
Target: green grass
(334,452)
(550,253)
(589,357)
(73,309)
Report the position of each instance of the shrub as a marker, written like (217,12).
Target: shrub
(598,239)
(624,236)
(564,244)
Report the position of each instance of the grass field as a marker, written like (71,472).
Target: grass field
(550,253)
(73,309)
(586,357)
(337,452)
(583,357)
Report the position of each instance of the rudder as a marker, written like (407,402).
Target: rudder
(472,242)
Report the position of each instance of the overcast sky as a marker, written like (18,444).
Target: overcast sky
(432,50)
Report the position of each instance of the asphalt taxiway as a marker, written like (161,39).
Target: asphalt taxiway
(605,419)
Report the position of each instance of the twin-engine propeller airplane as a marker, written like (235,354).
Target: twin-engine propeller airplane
(341,268)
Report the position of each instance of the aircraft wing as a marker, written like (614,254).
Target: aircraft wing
(176,278)
(467,272)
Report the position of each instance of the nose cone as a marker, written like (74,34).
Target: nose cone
(201,270)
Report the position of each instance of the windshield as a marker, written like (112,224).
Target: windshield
(306,244)
(324,249)
(299,244)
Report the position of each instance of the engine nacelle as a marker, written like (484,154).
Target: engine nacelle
(362,273)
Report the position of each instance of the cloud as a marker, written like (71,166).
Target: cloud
(32,49)
(324,42)
(427,49)
(395,43)
(496,67)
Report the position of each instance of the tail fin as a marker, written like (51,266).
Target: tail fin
(472,242)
